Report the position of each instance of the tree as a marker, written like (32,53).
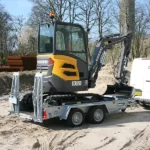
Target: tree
(142,27)
(86,13)
(86,16)
(72,10)
(27,41)
(17,25)
(42,8)
(127,16)
(5,29)
(103,11)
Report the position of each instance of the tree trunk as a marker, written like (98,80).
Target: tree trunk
(127,16)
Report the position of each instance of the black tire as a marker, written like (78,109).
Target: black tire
(140,103)
(91,116)
(123,110)
(27,102)
(143,104)
(71,118)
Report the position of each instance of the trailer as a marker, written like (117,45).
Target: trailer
(73,108)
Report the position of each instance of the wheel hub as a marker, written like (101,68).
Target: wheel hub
(98,115)
(77,118)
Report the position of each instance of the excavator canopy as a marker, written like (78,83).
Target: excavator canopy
(63,38)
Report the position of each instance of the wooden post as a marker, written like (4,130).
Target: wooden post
(127,16)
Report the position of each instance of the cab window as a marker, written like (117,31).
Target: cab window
(70,39)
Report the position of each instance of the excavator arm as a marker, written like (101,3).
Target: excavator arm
(99,55)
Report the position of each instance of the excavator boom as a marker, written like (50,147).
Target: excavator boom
(100,53)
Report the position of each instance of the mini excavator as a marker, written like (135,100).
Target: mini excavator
(63,57)
(63,63)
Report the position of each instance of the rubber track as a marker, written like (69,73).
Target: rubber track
(27,103)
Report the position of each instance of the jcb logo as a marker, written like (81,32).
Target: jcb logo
(76,83)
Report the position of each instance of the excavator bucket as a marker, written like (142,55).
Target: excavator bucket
(121,89)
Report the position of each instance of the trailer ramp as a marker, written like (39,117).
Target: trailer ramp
(14,96)
(37,96)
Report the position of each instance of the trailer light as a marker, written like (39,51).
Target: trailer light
(51,62)
(44,114)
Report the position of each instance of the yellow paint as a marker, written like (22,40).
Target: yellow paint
(47,55)
(59,61)
(138,93)
(106,42)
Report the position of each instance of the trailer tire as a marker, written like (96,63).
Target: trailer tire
(143,104)
(123,110)
(76,118)
(96,115)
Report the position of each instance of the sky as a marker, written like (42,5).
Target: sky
(17,7)
(23,7)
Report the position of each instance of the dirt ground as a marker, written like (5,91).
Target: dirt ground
(26,81)
(120,131)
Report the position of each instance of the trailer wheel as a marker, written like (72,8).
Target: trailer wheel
(76,118)
(142,104)
(123,110)
(96,115)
